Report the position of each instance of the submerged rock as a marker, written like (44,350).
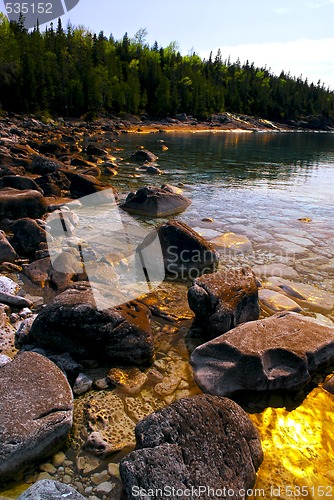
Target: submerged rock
(15,203)
(186,254)
(72,323)
(280,352)
(203,441)
(273,302)
(47,489)
(155,202)
(231,242)
(225,299)
(307,296)
(42,399)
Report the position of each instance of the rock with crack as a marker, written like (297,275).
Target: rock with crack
(200,441)
(155,202)
(72,323)
(36,411)
(225,299)
(280,352)
(47,489)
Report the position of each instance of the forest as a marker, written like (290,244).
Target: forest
(72,72)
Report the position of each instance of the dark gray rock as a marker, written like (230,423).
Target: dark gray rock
(27,235)
(7,252)
(36,411)
(186,254)
(223,300)
(47,489)
(155,202)
(200,441)
(16,203)
(42,165)
(142,156)
(84,185)
(72,323)
(280,352)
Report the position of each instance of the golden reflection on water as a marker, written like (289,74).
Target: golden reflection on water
(298,449)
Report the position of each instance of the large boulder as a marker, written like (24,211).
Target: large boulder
(195,445)
(155,202)
(280,352)
(47,489)
(186,254)
(36,411)
(15,203)
(225,299)
(72,323)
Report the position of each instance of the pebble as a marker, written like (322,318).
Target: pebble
(58,459)
(113,470)
(67,479)
(82,384)
(100,478)
(105,488)
(89,490)
(43,475)
(51,469)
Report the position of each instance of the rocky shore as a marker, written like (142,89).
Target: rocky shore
(110,385)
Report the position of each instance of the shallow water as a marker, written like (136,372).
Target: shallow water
(255,184)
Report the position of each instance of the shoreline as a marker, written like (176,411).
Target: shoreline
(221,123)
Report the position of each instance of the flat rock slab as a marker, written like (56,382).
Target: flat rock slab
(15,203)
(273,302)
(72,323)
(36,411)
(307,296)
(236,243)
(48,489)
(203,441)
(155,202)
(224,299)
(280,352)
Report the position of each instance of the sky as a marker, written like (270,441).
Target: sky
(296,36)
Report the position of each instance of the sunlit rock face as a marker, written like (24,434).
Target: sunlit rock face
(203,441)
(280,352)
(225,299)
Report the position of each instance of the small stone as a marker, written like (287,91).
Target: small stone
(113,470)
(154,376)
(100,478)
(51,469)
(89,490)
(207,219)
(43,475)
(167,386)
(101,384)
(67,479)
(82,384)
(130,381)
(105,488)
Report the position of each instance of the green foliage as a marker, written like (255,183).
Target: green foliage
(74,72)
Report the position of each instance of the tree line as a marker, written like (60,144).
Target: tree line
(72,72)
